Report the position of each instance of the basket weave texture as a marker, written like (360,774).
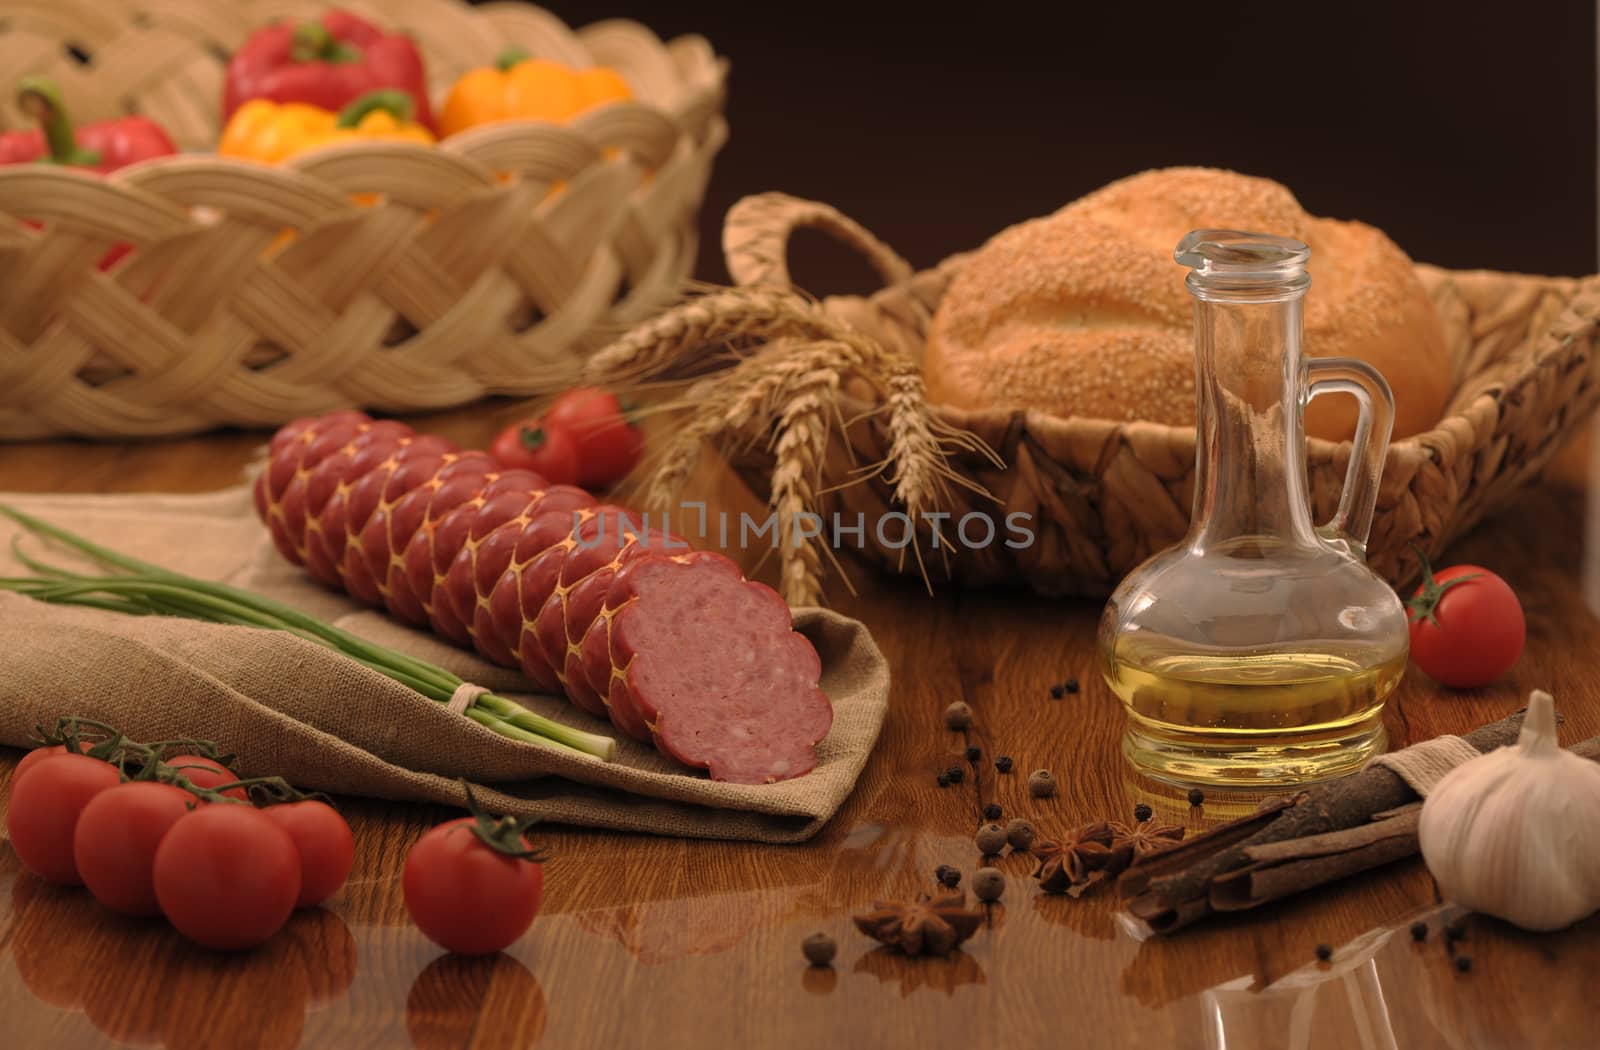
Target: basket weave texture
(1103,495)
(257,294)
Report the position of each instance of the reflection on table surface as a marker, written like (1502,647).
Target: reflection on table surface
(107,978)
(73,974)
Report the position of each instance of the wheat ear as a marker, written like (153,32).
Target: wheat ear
(739,403)
(689,331)
(802,441)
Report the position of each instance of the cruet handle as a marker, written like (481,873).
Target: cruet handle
(1345,375)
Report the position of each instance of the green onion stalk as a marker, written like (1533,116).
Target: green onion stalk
(142,589)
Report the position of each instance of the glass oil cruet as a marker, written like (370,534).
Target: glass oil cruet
(1259,650)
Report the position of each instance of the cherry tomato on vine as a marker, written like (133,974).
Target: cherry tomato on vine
(1467,627)
(205,772)
(473,885)
(227,876)
(44,808)
(37,755)
(609,443)
(549,451)
(115,842)
(325,845)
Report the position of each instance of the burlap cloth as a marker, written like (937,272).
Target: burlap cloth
(291,708)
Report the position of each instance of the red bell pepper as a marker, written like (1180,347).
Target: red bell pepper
(328,64)
(101,147)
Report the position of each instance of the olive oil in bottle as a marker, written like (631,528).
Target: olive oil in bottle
(1258,650)
(1275,717)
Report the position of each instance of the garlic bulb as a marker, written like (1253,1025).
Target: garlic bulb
(1515,833)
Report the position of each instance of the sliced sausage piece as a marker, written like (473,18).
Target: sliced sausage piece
(596,655)
(603,542)
(679,649)
(577,606)
(541,577)
(712,663)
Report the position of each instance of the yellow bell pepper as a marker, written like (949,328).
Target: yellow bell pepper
(519,87)
(272,132)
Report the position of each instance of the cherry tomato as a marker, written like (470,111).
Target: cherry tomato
(1467,627)
(205,772)
(465,895)
(116,839)
(325,844)
(37,755)
(609,444)
(44,809)
(539,447)
(227,876)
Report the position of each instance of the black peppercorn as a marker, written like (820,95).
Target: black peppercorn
(1003,764)
(1324,952)
(1456,931)
(948,876)
(1196,796)
(1057,691)
(819,949)
(1419,931)
(1464,963)
(955,774)
(974,753)
(992,811)
(944,780)
(1072,685)
(1142,812)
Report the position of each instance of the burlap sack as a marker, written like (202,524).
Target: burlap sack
(288,707)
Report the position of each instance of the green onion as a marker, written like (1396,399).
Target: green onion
(141,589)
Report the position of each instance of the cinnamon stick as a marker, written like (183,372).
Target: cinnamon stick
(1272,868)
(1282,869)
(1402,822)
(1169,896)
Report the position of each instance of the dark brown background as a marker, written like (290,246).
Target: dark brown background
(1467,131)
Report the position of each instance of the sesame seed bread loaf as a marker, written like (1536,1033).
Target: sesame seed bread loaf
(1084,312)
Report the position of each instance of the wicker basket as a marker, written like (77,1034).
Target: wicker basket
(1104,495)
(258,294)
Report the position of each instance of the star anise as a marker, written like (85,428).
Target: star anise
(1072,860)
(925,926)
(1129,845)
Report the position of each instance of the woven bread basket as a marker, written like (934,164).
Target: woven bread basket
(257,294)
(1103,496)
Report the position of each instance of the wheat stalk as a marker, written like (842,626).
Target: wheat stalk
(683,335)
(801,443)
(741,402)
(789,390)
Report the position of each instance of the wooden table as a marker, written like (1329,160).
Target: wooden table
(650,942)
